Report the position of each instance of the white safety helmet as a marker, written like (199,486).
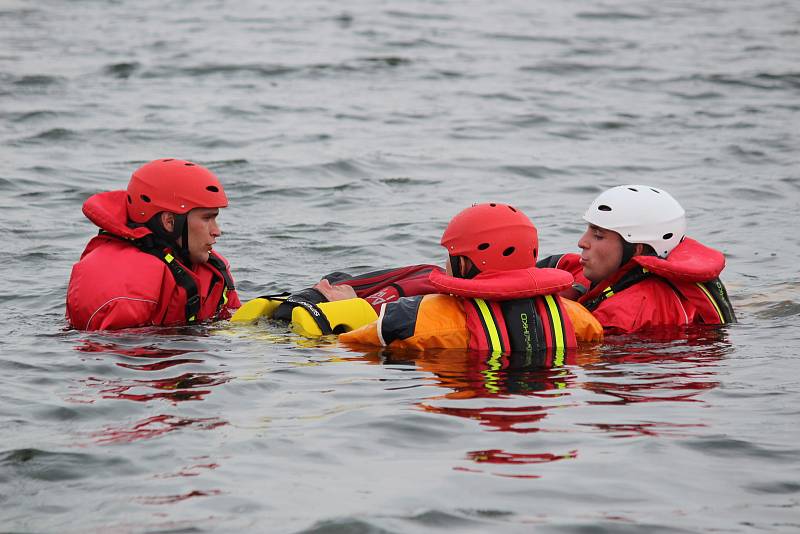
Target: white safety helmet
(640,214)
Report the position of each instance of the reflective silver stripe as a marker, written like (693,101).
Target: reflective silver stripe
(380,324)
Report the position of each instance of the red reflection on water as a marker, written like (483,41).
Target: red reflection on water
(177,396)
(676,366)
(641,429)
(474,375)
(180,388)
(148,351)
(501,418)
(153,427)
(498,456)
(158,365)
(170,499)
(190,471)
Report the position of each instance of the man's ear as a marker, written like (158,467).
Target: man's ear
(638,250)
(168,221)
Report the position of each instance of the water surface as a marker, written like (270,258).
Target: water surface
(347,134)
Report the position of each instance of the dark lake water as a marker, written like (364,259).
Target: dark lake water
(347,134)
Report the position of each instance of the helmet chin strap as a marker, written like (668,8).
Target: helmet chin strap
(184,247)
(180,230)
(628,250)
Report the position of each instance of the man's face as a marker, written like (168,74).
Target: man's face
(601,253)
(203,233)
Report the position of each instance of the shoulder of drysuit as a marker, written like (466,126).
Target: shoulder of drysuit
(690,261)
(408,315)
(115,285)
(109,212)
(504,285)
(417,322)
(115,265)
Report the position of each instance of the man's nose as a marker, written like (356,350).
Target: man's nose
(583,242)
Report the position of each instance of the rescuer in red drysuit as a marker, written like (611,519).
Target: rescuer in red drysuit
(637,270)
(152,262)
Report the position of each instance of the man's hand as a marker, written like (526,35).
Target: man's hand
(334,293)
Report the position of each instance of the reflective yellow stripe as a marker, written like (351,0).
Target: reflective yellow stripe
(493,363)
(558,332)
(224,296)
(714,302)
(490,376)
(169,257)
(559,383)
(608,292)
(494,337)
(490,381)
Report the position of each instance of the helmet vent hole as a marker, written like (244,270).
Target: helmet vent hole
(129,200)
(509,251)
(512,209)
(166,160)
(603,207)
(667,236)
(655,190)
(483,246)
(493,205)
(633,189)
(213,188)
(189,164)
(145,198)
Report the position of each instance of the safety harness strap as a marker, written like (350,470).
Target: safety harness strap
(307,299)
(182,277)
(317,314)
(634,276)
(227,279)
(184,280)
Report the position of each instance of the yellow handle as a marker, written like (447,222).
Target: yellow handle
(253,309)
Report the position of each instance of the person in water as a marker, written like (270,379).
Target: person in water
(152,262)
(491,297)
(637,268)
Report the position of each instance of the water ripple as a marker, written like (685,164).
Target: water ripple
(52,466)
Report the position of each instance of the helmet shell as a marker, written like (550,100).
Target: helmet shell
(173,185)
(496,237)
(640,214)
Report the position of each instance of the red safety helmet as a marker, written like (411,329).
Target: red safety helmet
(172,185)
(496,237)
